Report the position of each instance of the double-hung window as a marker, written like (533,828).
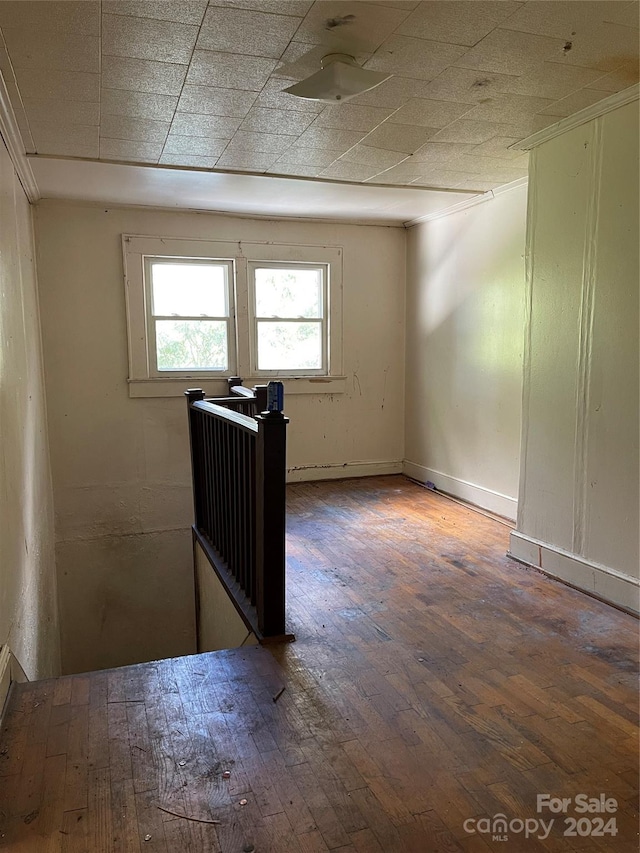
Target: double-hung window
(289,314)
(189,315)
(199,311)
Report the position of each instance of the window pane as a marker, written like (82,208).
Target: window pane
(289,346)
(288,292)
(189,290)
(191,345)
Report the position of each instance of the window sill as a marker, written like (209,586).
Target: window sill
(218,387)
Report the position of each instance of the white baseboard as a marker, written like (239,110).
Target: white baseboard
(341,470)
(472,493)
(601,581)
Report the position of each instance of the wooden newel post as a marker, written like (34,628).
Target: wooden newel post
(270,544)
(193,395)
(260,392)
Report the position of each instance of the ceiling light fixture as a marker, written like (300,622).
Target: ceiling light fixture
(339,79)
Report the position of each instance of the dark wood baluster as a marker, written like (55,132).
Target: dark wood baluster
(218,482)
(251,587)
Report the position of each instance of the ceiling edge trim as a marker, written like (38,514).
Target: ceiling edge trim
(470,202)
(12,137)
(613,102)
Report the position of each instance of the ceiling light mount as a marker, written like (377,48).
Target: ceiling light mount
(340,78)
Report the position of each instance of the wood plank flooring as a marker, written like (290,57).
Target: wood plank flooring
(433,682)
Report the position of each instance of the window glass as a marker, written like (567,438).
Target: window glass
(191,345)
(288,292)
(188,290)
(289,346)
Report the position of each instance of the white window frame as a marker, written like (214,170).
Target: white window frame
(151,318)
(323,321)
(146,381)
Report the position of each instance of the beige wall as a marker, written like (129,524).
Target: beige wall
(28,610)
(120,465)
(578,511)
(465,313)
(219,625)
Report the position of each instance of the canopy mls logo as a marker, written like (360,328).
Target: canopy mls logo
(499,827)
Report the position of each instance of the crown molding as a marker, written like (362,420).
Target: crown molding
(613,102)
(12,137)
(470,202)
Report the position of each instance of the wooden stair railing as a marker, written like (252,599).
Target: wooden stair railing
(238,463)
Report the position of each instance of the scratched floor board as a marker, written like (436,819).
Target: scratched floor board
(433,683)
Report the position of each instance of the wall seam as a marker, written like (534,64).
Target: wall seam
(528,323)
(585,342)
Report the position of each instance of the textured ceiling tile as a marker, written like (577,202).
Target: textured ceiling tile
(466,86)
(388,178)
(277,121)
(134,129)
(295,169)
(194,161)
(473,184)
(456,22)
(272,97)
(445,178)
(222,102)
(549,80)
(219,127)
(246,161)
(63,85)
(120,102)
(370,25)
(399,137)
(69,148)
(65,52)
(297,8)
(125,149)
(621,78)
(320,157)
(142,75)
(427,113)
(209,68)
(561,18)
(181,11)
(62,111)
(265,143)
(45,132)
(605,47)
(393,93)
(349,171)
(509,52)
(409,5)
(245,32)
(440,154)
(471,131)
(627,14)
(328,137)
(141,38)
(352,117)
(574,103)
(489,169)
(508,109)
(194,146)
(368,156)
(301,59)
(499,147)
(77,16)
(414,57)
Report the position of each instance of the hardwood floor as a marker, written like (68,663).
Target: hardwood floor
(433,682)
